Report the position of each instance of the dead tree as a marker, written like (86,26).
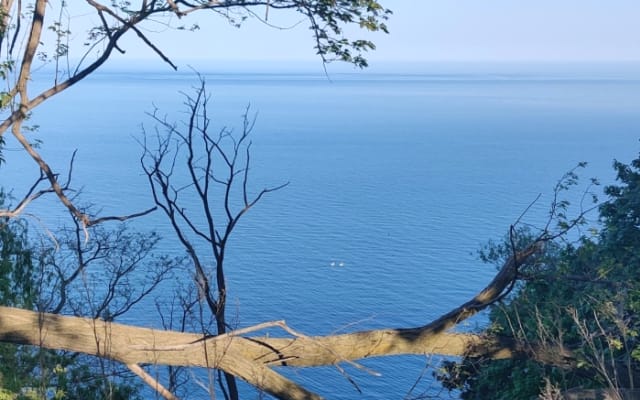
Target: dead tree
(193,161)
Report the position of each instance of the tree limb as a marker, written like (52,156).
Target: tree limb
(250,358)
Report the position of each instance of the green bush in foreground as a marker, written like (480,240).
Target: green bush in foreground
(578,298)
(31,373)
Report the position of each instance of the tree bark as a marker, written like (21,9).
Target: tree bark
(250,357)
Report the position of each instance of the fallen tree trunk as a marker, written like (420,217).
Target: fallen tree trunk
(249,357)
(137,345)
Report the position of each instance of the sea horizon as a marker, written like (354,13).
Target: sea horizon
(396,180)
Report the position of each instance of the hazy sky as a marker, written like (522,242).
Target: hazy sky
(429,30)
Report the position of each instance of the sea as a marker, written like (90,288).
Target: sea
(396,177)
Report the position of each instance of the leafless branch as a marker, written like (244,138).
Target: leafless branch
(122,217)
(131,25)
(221,158)
(151,381)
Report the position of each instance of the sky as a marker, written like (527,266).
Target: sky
(422,31)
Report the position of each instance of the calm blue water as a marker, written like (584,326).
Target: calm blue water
(401,177)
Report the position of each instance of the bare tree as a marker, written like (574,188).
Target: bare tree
(104,277)
(192,162)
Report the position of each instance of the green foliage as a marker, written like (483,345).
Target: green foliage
(581,297)
(328,18)
(31,373)
(499,380)
(16,264)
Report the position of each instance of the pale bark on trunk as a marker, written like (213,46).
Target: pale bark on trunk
(251,358)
